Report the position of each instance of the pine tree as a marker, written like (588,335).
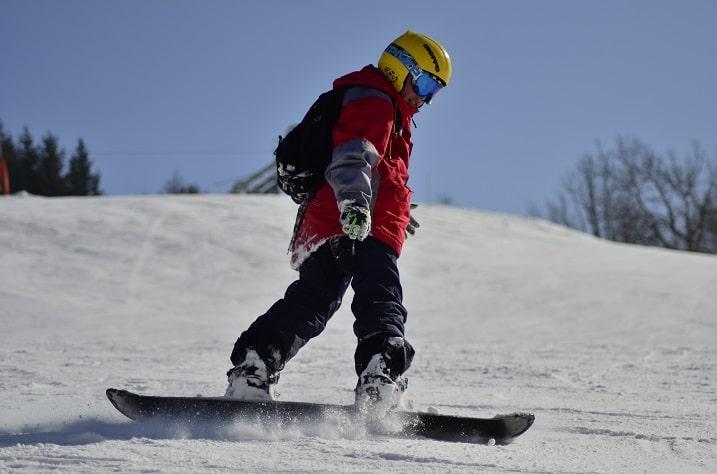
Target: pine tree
(50,166)
(176,185)
(28,160)
(80,181)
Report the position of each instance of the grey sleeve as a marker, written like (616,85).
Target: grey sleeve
(349,172)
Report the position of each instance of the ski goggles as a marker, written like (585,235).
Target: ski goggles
(425,84)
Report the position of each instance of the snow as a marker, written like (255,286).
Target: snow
(611,346)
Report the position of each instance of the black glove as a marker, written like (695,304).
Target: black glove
(412,224)
(296,186)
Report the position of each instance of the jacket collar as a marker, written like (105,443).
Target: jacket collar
(370,76)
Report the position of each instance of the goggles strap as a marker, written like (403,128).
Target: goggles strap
(418,75)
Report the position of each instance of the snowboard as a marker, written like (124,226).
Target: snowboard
(501,429)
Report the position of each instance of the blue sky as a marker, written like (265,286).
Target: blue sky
(204,87)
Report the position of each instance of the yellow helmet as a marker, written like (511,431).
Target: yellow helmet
(416,54)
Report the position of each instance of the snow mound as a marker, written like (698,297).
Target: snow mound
(611,346)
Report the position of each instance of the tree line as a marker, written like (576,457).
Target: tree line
(630,193)
(626,192)
(39,168)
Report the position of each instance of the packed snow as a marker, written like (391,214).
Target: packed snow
(611,346)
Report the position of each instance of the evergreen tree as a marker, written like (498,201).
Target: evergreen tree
(80,181)
(38,169)
(50,166)
(28,161)
(176,185)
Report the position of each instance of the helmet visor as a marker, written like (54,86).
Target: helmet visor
(425,84)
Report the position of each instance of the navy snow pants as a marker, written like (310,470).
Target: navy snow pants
(308,304)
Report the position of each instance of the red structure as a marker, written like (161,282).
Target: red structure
(4,177)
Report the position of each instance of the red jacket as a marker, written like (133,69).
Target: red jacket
(369,165)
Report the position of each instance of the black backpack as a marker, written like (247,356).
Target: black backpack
(304,153)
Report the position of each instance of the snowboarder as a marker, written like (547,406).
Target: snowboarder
(351,231)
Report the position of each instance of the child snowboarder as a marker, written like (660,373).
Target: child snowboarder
(351,232)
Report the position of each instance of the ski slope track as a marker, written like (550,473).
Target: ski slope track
(613,347)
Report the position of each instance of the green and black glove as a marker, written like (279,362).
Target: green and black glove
(355,220)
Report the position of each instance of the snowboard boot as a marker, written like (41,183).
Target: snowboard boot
(250,380)
(379,390)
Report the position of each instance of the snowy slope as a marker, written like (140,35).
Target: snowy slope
(611,346)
